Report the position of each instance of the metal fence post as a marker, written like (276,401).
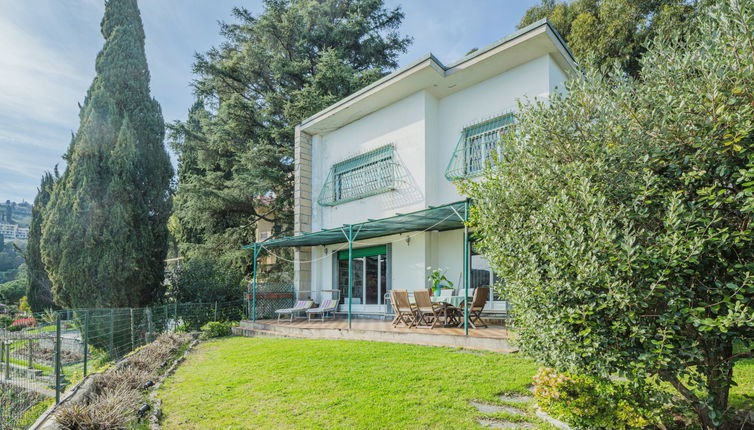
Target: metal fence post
(2,353)
(86,340)
(215,319)
(57,359)
(31,353)
(7,360)
(150,326)
(112,334)
(132,329)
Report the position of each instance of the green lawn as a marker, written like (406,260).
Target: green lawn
(290,383)
(743,374)
(240,382)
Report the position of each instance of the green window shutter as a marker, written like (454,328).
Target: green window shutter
(364,252)
(362,176)
(476,147)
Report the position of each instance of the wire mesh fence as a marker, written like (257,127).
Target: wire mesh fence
(270,296)
(40,355)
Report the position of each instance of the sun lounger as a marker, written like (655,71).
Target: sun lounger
(327,306)
(300,307)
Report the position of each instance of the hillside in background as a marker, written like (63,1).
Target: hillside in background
(15,213)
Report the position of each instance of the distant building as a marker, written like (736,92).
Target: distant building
(22,233)
(13,232)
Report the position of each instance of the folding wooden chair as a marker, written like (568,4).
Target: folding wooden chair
(481,295)
(427,313)
(404,311)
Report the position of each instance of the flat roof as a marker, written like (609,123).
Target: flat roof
(427,72)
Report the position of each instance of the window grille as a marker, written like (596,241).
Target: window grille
(362,176)
(476,147)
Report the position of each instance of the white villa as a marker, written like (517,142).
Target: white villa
(378,167)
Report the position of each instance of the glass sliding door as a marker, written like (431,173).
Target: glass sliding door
(369,277)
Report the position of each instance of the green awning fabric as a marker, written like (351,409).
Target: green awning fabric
(440,218)
(364,252)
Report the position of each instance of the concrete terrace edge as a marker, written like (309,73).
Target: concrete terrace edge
(249,329)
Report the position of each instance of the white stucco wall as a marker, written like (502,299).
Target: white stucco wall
(424,131)
(400,124)
(476,104)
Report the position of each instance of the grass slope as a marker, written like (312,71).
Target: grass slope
(287,383)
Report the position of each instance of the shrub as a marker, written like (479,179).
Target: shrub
(22,323)
(203,281)
(6,321)
(620,216)
(23,305)
(216,329)
(592,403)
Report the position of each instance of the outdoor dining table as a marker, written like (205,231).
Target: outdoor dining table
(446,302)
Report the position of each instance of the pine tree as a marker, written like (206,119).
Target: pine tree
(104,235)
(38,288)
(272,71)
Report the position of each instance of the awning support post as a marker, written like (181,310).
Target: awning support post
(350,271)
(466,266)
(254,288)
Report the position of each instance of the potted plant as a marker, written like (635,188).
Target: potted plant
(438,280)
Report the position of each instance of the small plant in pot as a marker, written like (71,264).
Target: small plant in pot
(438,280)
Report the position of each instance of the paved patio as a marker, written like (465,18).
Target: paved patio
(493,338)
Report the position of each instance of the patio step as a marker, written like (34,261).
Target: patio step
(416,337)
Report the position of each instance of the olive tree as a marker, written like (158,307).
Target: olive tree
(620,215)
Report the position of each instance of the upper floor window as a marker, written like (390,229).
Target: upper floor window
(362,176)
(476,147)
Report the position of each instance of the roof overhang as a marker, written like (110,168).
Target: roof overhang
(428,73)
(438,218)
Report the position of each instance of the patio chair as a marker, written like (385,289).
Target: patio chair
(427,313)
(404,310)
(475,308)
(327,307)
(296,310)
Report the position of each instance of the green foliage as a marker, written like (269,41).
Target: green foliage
(204,281)
(39,288)
(620,216)
(11,292)
(11,260)
(235,150)
(15,213)
(216,329)
(438,279)
(104,234)
(586,402)
(604,32)
(23,305)
(6,321)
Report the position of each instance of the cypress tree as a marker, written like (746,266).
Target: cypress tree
(104,236)
(38,288)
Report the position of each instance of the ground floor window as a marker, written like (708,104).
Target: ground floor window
(369,275)
(482,274)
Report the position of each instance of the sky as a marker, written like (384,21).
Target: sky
(48,48)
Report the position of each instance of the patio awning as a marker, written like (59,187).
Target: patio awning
(440,218)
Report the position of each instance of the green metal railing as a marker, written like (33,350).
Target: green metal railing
(365,175)
(478,146)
